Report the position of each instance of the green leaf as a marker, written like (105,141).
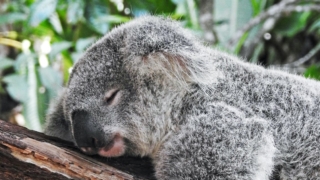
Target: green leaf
(34,105)
(257,6)
(113,19)
(313,72)
(57,47)
(94,10)
(315,26)
(41,10)
(291,25)
(12,18)
(75,11)
(51,79)
(83,43)
(240,43)
(257,52)
(17,87)
(21,63)
(76,56)
(151,6)
(235,13)
(55,22)
(5,63)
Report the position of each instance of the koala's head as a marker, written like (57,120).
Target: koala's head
(122,92)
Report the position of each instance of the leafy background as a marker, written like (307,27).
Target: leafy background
(40,40)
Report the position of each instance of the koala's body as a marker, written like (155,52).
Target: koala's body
(149,88)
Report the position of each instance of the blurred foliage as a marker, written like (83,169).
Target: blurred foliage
(44,38)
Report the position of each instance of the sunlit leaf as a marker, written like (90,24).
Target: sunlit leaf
(41,10)
(181,9)
(113,19)
(313,72)
(257,6)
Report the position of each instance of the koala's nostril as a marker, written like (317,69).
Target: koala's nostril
(96,142)
(87,133)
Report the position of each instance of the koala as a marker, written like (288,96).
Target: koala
(150,88)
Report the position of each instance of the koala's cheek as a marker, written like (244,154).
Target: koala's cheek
(114,149)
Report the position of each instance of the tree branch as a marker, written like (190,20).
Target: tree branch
(271,21)
(28,154)
(272,12)
(305,58)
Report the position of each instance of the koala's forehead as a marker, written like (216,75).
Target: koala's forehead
(100,66)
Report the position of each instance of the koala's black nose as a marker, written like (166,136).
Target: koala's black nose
(87,131)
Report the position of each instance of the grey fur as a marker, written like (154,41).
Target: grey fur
(197,112)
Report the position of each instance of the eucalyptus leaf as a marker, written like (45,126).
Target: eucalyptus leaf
(41,10)
(291,25)
(51,79)
(12,18)
(152,6)
(55,22)
(33,106)
(17,87)
(83,43)
(75,11)
(313,72)
(5,63)
(236,13)
(21,63)
(57,47)
(76,56)
(94,10)
(315,26)
(113,19)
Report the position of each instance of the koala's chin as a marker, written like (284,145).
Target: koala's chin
(114,148)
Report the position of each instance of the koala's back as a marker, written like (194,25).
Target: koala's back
(290,103)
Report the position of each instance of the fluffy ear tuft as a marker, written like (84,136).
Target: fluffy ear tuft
(168,67)
(160,46)
(180,69)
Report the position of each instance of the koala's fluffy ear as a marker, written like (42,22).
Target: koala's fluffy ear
(56,123)
(154,45)
(174,67)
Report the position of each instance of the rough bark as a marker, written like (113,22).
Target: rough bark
(26,154)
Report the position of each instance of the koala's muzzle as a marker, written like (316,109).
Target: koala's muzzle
(87,133)
(91,139)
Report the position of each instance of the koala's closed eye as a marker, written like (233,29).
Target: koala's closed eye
(112,97)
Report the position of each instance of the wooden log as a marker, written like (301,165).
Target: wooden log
(26,154)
